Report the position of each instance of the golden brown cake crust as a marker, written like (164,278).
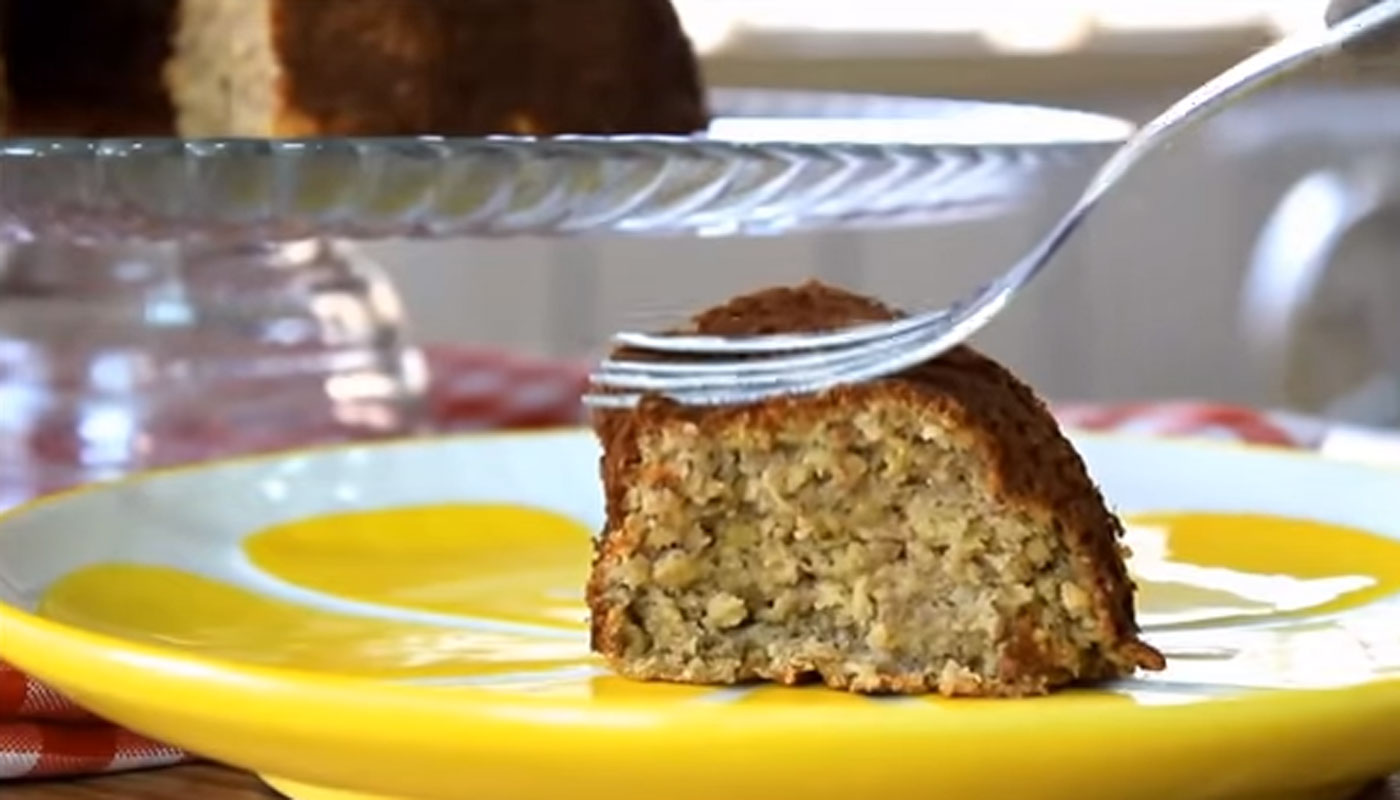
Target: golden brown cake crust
(386,67)
(1032,466)
(370,67)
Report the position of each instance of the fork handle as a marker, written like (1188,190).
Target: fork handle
(1217,94)
(1372,53)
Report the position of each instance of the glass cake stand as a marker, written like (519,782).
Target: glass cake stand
(160,294)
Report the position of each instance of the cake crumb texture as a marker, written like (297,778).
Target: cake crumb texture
(929,532)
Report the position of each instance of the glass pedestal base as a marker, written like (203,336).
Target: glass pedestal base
(142,349)
(123,357)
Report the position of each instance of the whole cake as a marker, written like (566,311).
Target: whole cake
(933,531)
(347,67)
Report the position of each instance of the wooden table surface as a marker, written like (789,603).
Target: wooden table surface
(203,782)
(199,782)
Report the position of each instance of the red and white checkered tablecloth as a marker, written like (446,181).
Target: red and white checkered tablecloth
(42,735)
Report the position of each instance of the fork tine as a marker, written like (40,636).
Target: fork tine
(615,370)
(627,365)
(635,374)
(609,372)
(844,366)
(769,373)
(772,343)
(606,401)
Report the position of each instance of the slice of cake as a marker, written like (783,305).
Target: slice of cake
(932,531)
(348,67)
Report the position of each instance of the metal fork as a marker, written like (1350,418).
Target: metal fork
(738,370)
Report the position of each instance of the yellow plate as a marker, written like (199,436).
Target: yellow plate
(404,621)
